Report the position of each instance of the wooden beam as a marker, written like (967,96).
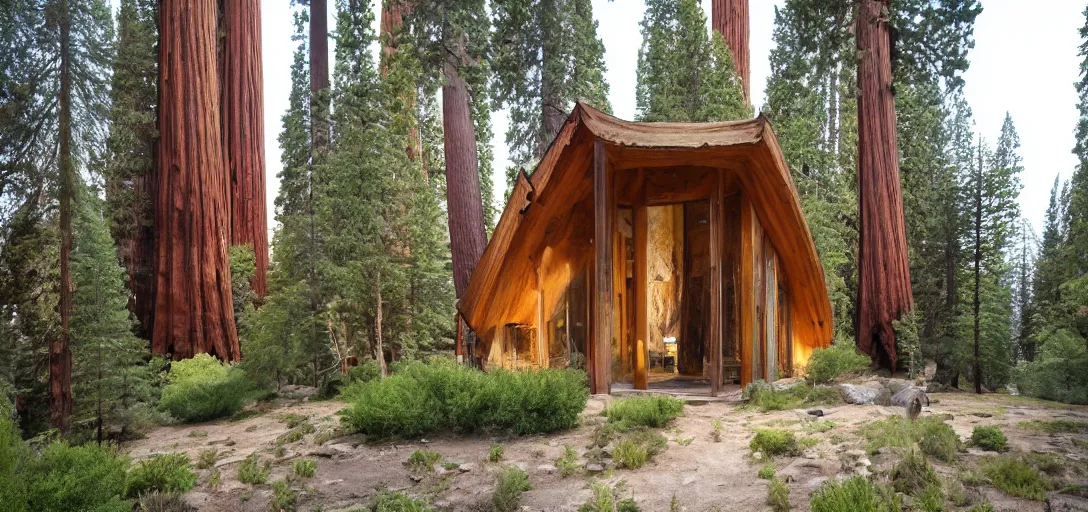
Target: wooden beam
(746,286)
(716,266)
(642,297)
(542,355)
(604,207)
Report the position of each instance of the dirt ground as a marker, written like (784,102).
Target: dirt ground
(701,474)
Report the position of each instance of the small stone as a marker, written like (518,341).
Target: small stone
(594,467)
(547,469)
(757,456)
(424,441)
(819,413)
(553,444)
(466,467)
(982,414)
(416,478)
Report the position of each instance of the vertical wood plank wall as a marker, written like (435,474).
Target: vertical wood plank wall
(746,288)
(640,379)
(716,267)
(604,206)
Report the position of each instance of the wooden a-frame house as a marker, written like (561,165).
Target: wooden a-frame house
(649,252)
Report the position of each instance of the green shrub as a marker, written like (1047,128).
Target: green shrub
(368,370)
(1016,477)
(169,473)
(716,430)
(772,442)
(64,478)
(766,472)
(1057,372)
(913,474)
(763,396)
(652,411)
(608,499)
(509,486)
(422,398)
(207,458)
(935,438)
(293,420)
(296,434)
(283,497)
(495,453)
(250,471)
(629,454)
(398,502)
(422,461)
(202,388)
(305,467)
(931,499)
(163,502)
(828,364)
(989,439)
(1056,426)
(851,495)
(567,464)
(778,496)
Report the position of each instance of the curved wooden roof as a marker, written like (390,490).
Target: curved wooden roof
(500,289)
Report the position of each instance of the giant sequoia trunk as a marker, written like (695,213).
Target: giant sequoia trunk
(60,354)
(193,309)
(468,238)
(730,19)
(553,110)
(319,76)
(243,130)
(884,292)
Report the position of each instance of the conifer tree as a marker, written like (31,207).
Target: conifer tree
(130,151)
(110,363)
(684,74)
(545,55)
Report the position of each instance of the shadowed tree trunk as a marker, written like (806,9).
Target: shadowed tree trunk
(193,309)
(319,75)
(553,110)
(60,354)
(468,237)
(730,19)
(884,292)
(976,302)
(243,131)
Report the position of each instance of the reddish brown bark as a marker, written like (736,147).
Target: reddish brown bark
(392,22)
(319,76)
(193,309)
(243,131)
(60,354)
(884,292)
(730,19)
(468,238)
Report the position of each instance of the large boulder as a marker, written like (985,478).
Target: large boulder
(1057,502)
(784,384)
(865,394)
(906,396)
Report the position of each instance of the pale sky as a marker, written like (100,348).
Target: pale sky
(1024,62)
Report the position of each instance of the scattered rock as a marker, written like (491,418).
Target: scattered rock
(865,394)
(297,392)
(594,467)
(982,414)
(757,456)
(907,395)
(466,467)
(547,469)
(819,413)
(324,452)
(416,478)
(1065,503)
(251,428)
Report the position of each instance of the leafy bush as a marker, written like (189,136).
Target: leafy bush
(853,494)
(1056,426)
(422,398)
(989,439)
(778,496)
(935,438)
(366,371)
(67,478)
(766,472)
(202,388)
(250,471)
(913,474)
(163,502)
(305,467)
(509,486)
(608,499)
(398,502)
(296,434)
(207,458)
(652,411)
(495,453)
(772,442)
(422,461)
(1057,372)
(931,499)
(284,499)
(567,464)
(629,454)
(764,397)
(169,473)
(828,364)
(1016,477)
